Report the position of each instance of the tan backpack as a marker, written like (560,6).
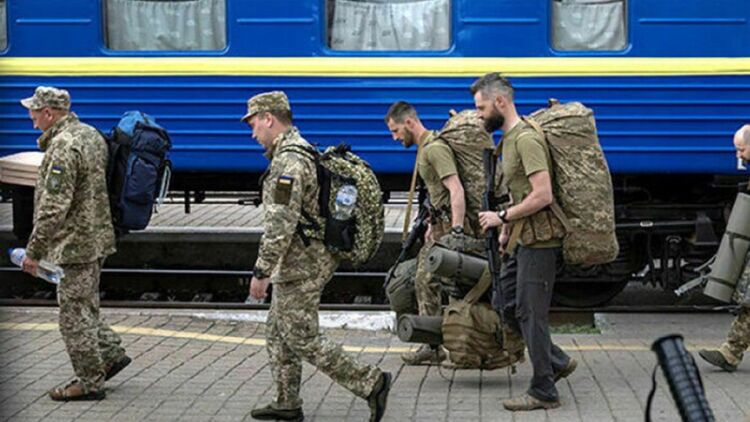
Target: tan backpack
(582,184)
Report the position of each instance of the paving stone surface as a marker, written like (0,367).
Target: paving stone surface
(191,368)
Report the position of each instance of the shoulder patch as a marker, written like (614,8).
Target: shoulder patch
(283,192)
(54,180)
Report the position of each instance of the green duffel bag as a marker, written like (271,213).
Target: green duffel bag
(400,287)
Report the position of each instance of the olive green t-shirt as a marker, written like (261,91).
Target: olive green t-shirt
(524,153)
(436,162)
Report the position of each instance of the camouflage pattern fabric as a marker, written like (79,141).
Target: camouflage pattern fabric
(89,341)
(267,101)
(465,134)
(427,286)
(738,338)
(47,96)
(72,221)
(582,183)
(293,335)
(290,186)
(741,294)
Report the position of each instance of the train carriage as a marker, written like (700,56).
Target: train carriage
(669,82)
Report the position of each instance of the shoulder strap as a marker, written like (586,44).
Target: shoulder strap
(310,152)
(478,290)
(410,199)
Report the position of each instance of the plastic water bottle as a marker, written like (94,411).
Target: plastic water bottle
(46,271)
(346,199)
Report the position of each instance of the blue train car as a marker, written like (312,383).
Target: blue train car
(669,82)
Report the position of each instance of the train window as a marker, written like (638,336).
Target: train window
(389,25)
(3,26)
(589,25)
(177,25)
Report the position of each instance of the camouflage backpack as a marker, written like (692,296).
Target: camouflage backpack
(356,239)
(465,134)
(581,182)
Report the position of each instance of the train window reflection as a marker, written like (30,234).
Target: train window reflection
(176,25)
(588,25)
(389,25)
(3,26)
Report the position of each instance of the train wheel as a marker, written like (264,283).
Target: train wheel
(586,294)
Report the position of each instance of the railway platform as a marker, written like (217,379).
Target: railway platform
(210,366)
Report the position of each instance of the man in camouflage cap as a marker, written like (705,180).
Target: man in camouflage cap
(73,228)
(528,275)
(299,266)
(729,355)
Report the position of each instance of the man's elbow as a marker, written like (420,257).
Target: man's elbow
(546,198)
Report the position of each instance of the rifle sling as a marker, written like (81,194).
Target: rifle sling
(410,198)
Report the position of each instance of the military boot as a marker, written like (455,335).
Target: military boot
(425,355)
(565,372)
(378,399)
(714,357)
(271,413)
(526,402)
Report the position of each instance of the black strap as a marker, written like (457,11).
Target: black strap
(651,394)
(311,224)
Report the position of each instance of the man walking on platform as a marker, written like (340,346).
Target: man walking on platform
(729,355)
(299,269)
(73,229)
(528,276)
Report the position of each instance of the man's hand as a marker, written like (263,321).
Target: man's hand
(428,233)
(489,219)
(259,287)
(502,241)
(30,266)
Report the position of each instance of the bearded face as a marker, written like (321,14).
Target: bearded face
(494,121)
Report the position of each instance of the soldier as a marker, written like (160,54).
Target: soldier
(298,271)
(528,276)
(729,355)
(436,165)
(73,228)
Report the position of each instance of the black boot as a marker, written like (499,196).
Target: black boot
(379,397)
(270,413)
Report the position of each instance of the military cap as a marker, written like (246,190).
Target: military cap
(47,96)
(266,101)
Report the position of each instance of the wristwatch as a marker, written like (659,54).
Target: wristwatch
(457,229)
(259,274)
(501,215)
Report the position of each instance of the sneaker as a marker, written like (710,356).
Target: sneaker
(569,368)
(425,355)
(74,391)
(270,413)
(527,402)
(115,367)
(379,397)
(714,357)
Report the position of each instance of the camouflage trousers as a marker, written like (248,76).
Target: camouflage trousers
(426,286)
(90,343)
(293,335)
(738,338)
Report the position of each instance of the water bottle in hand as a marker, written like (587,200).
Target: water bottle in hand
(346,199)
(46,270)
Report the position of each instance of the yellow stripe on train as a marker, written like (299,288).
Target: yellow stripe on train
(370,66)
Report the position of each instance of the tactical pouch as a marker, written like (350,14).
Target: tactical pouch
(541,227)
(339,234)
(400,291)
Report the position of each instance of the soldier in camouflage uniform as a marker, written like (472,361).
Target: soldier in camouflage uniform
(299,266)
(729,355)
(436,165)
(73,228)
(528,275)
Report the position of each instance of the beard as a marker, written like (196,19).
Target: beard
(494,122)
(408,139)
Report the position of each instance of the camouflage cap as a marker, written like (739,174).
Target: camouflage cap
(266,101)
(47,96)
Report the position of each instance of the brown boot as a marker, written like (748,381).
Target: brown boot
(74,391)
(425,355)
(527,402)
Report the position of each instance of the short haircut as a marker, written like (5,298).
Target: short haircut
(746,134)
(399,111)
(283,116)
(492,84)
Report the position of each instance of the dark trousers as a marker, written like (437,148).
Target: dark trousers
(526,280)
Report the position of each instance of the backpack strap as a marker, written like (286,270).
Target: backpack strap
(310,224)
(410,199)
(478,290)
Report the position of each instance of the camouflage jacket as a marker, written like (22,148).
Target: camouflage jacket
(72,221)
(290,186)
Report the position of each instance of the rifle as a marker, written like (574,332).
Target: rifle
(418,229)
(492,245)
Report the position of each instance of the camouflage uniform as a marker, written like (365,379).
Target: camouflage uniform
(298,272)
(73,228)
(435,162)
(738,338)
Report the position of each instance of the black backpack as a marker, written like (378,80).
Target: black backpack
(138,171)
